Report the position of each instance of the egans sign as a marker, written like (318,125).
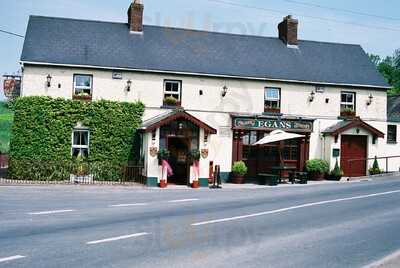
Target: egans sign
(271,124)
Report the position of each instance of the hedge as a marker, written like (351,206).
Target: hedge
(40,144)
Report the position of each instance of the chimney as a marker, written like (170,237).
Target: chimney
(135,16)
(288,31)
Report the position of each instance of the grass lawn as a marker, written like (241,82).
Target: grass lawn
(6,119)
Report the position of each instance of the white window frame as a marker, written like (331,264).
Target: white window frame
(168,92)
(80,88)
(278,99)
(345,103)
(80,147)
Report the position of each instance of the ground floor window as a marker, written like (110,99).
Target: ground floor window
(80,143)
(392,134)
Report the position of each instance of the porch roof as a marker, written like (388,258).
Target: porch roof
(164,119)
(346,124)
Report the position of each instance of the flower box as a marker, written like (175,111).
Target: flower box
(348,113)
(82,97)
(272,110)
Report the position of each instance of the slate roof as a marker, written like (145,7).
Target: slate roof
(393,109)
(110,45)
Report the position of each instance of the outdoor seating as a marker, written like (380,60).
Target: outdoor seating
(298,177)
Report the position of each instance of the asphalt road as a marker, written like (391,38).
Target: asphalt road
(335,225)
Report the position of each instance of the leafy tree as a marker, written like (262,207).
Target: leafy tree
(389,67)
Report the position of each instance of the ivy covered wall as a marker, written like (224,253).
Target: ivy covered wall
(42,135)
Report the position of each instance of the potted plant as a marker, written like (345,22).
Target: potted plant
(337,173)
(239,170)
(162,154)
(317,169)
(375,170)
(170,101)
(348,112)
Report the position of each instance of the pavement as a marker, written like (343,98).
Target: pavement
(353,224)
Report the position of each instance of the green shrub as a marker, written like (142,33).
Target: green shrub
(317,166)
(375,170)
(41,137)
(239,168)
(337,172)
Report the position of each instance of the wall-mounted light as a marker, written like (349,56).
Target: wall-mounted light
(312,96)
(128,85)
(370,99)
(224,91)
(48,80)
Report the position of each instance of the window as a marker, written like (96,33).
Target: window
(83,85)
(172,92)
(80,143)
(272,100)
(392,134)
(348,102)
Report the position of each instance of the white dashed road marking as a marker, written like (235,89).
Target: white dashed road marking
(12,258)
(116,238)
(183,200)
(293,208)
(51,212)
(129,205)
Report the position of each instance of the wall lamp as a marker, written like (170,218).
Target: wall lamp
(48,80)
(370,99)
(312,96)
(128,85)
(224,91)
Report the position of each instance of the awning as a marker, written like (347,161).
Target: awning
(278,135)
(349,124)
(166,118)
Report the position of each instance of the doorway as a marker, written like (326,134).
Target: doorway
(353,147)
(179,148)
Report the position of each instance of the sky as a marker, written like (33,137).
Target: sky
(374,24)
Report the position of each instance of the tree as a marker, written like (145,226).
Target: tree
(389,67)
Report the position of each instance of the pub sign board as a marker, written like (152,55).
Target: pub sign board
(271,124)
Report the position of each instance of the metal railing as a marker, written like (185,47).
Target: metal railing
(384,158)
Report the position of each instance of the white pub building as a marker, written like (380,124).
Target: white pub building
(218,92)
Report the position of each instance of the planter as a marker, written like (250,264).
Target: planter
(163,184)
(82,98)
(195,184)
(272,110)
(237,178)
(348,114)
(317,176)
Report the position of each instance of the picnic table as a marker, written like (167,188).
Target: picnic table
(280,169)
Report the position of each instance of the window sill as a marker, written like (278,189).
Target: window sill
(392,142)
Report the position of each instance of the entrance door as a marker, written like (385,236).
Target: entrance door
(353,147)
(179,148)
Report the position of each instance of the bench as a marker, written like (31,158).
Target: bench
(268,179)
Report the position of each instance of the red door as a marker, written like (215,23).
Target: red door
(353,147)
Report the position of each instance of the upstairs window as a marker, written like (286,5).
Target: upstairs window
(272,100)
(348,103)
(172,93)
(80,143)
(83,86)
(392,134)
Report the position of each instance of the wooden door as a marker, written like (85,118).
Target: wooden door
(353,147)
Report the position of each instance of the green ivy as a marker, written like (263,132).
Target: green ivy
(42,133)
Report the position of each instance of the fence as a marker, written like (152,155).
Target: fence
(384,161)
(76,172)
